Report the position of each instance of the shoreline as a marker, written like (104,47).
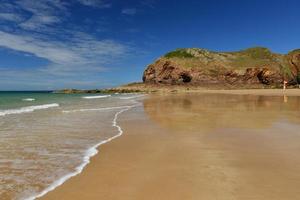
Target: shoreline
(155,88)
(141,88)
(116,158)
(90,153)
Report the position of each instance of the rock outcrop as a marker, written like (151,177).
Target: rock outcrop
(250,67)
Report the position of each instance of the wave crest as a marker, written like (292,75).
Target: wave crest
(96,97)
(27,109)
(28,99)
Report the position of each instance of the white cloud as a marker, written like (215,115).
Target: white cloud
(41,29)
(80,52)
(42,13)
(70,51)
(42,6)
(11,79)
(39,21)
(148,3)
(95,3)
(47,50)
(11,17)
(129,11)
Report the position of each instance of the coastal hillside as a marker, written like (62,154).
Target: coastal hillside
(194,69)
(250,68)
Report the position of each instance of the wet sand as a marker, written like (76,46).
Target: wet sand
(197,146)
(263,92)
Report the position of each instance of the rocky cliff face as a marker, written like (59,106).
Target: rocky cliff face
(294,63)
(252,67)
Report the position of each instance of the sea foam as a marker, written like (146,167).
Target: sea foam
(28,99)
(96,97)
(86,159)
(27,109)
(95,109)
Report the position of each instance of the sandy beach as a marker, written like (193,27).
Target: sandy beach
(198,146)
(149,100)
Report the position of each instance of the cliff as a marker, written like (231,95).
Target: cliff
(251,68)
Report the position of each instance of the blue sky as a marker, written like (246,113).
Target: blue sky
(54,44)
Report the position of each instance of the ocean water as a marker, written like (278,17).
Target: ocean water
(46,138)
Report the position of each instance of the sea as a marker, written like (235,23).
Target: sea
(46,138)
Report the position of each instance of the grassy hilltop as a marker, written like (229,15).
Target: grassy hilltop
(253,67)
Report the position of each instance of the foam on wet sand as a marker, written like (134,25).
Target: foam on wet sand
(198,146)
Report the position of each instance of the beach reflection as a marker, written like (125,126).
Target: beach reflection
(239,146)
(200,112)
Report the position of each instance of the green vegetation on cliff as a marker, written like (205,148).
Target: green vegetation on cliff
(179,53)
(257,53)
(252,66)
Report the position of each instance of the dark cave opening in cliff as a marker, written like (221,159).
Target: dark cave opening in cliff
(186,78)
(262,79)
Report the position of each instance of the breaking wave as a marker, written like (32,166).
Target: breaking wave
(27,109)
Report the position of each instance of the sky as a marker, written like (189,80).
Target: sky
(87,44)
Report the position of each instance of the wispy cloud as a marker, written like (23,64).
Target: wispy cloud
(37,80)
(11,17)
(95,3)
(41,13)
(70,51)
(44,29)
(10,12)
(148,3)
(39,21)
(129,11)
(80,52)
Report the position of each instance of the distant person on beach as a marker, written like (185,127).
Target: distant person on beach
(284,84)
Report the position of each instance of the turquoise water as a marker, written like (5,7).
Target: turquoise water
(46,138)
(10,100)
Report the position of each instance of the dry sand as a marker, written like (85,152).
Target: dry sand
(196,146)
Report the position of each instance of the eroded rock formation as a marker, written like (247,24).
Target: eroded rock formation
(255,66)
